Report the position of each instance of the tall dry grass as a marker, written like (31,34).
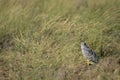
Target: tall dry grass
(40,40)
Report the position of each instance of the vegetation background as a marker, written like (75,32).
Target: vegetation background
(40,39)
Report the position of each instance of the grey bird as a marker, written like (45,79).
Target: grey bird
(90,55)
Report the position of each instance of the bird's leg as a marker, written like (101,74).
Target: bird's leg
(88,62)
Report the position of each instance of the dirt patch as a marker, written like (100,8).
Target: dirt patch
(3,70)
(103,70)
(6,42)
(4,73)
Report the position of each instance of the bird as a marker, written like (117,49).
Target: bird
(89,54)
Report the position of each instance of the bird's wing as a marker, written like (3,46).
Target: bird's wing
(88,51)
(90,55)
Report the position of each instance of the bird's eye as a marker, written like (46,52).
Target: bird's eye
(84,43)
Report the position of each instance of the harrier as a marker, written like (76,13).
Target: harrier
(89,54)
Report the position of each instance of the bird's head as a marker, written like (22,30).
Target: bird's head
(83,45)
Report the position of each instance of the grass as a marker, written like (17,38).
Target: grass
(40,40)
